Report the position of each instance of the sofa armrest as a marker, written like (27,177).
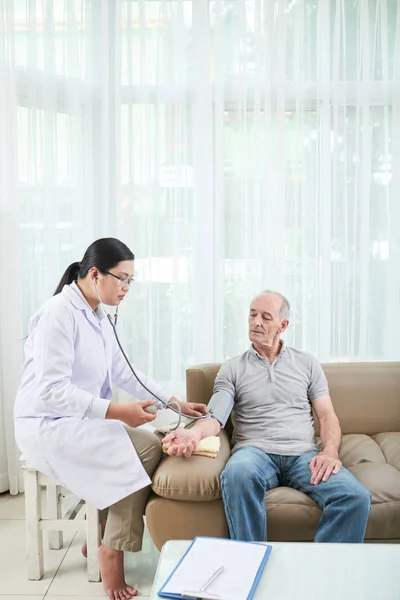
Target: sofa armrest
(192,479)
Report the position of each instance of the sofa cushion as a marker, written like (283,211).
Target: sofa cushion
(389,443)
(292,515)
(373,460)
(358,448)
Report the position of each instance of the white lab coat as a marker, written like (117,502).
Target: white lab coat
(72,359)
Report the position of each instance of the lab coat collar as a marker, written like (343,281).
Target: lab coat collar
(75,296)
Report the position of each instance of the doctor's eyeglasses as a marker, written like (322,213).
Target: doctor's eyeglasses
(122,283)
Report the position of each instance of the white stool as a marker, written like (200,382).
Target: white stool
(55,524)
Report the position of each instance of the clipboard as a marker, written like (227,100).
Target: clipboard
(233,568)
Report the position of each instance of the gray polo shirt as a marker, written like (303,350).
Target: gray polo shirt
(271,405)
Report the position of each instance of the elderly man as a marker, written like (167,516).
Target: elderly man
(271,390)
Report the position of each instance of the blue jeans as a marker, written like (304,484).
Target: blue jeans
(250,472)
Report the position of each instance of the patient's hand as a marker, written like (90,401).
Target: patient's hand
(323,465)
(182,442)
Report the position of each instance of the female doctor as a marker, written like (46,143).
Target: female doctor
(65,422)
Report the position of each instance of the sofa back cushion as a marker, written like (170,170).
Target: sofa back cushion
(366,396)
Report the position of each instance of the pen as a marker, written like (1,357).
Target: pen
(212,578)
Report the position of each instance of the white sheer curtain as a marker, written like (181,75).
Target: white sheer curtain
(306,126)
(233,144)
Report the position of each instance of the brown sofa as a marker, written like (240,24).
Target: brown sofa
(186,498)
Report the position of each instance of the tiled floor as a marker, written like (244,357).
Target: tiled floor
(65,570)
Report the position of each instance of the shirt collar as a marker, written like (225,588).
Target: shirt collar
(253,351)
(74,294)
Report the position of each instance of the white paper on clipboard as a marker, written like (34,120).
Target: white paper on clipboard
(242,564)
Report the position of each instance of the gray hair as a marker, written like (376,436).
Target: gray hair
(284,312)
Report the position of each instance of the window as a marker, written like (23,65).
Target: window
(234,145)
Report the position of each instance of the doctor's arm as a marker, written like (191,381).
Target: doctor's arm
(183,442)
(123,377)
(53,357)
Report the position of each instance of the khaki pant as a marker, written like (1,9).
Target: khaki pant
(125,526)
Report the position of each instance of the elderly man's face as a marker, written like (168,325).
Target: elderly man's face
(265,324)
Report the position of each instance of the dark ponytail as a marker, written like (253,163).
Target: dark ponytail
(70,275)
(104,254)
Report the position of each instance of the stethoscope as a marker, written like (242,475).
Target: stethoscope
(160,404)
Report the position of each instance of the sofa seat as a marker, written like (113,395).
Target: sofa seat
(292,515)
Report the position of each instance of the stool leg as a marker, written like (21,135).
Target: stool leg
(54,511)
(93,542)
(34,536)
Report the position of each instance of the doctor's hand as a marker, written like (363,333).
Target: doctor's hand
(131,413)
(191,409)
(182,442)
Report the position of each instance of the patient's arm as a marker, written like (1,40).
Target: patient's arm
(184,441)
(330,432)
(327,462)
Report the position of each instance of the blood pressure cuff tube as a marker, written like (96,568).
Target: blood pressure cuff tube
(220,406)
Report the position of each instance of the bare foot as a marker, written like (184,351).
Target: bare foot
(112,574)
(84,547)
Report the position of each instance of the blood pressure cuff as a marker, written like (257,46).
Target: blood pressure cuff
(220,406)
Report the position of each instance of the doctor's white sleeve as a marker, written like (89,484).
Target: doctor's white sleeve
(53,357)
(123,377)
